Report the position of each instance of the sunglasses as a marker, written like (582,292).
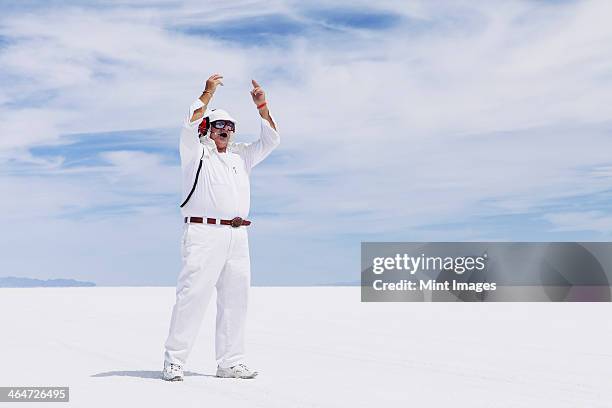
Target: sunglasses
(220,124)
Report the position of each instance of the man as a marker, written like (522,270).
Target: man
(215,249)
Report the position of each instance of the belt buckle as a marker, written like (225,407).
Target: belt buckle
(236,222)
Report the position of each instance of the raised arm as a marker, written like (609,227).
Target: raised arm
(269,138)
(259,98)
(207,94)
(190,141)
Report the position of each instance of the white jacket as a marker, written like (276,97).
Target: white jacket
(223,188)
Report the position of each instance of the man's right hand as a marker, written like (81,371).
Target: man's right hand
(212,82)
(211,86)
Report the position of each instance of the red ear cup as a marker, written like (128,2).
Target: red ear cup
(204,125)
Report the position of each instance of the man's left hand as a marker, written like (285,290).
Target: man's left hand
(257,93)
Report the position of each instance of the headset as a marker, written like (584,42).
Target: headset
(204,126)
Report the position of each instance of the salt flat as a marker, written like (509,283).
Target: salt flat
(314,347)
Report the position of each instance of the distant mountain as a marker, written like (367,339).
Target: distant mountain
(14,282)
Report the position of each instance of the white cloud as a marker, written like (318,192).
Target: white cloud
(141,172)
(596,221)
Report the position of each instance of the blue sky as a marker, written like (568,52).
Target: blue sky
(400,121)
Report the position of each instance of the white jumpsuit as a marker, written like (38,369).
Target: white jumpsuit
(215,256)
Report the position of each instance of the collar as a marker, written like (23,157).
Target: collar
(210,147)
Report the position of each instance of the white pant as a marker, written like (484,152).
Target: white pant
(213,256)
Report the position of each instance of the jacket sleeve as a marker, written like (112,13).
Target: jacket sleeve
(190,146)
(255,152)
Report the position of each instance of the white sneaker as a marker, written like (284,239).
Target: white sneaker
(172,372)
(237,371)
